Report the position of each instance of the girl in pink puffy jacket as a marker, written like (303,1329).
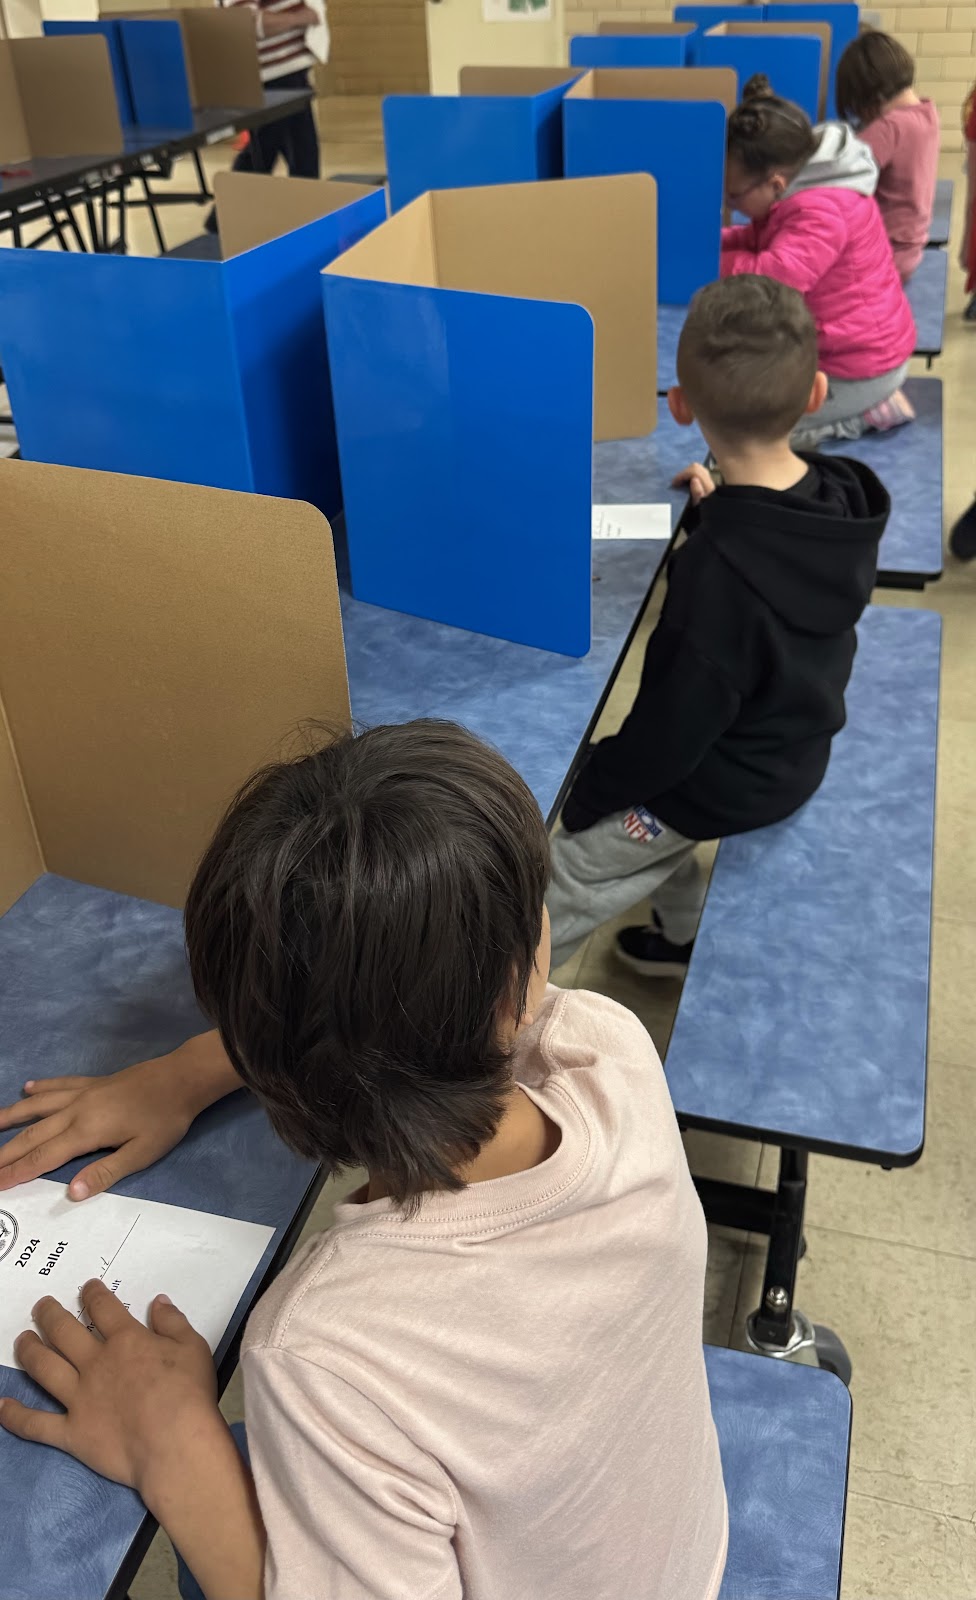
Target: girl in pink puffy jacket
(815,225)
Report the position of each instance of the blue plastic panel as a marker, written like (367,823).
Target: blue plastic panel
(843,19)
(124,364)
(461,141)
(158,78)
(465,427)
(110,30)
(275,305)
(792,65)
(681,143)
(629,49)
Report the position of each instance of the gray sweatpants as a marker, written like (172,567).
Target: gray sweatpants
(842,414)
(608,868)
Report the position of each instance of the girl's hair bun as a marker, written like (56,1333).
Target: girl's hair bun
(758,87)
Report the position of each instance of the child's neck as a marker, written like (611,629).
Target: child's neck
(525,1138)
(760,466)
(908,97)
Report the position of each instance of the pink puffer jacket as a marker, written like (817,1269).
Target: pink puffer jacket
(832,246)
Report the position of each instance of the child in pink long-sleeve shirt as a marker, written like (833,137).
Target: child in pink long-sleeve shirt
(815,225)
(875,78)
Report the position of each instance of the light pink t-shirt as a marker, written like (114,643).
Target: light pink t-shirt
(503,1398)
(905,142)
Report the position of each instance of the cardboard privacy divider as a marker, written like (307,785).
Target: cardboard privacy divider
(211,372)
(158,643)
(505,126)
(621,44)
(57,98)
(461,339)
(840,16)
(110,32)
(670,122)
(794,56)
(190,59)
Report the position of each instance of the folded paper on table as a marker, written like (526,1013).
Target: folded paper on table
(139,1248)
(632,522)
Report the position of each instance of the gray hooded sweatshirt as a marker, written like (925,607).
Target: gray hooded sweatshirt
(840,161)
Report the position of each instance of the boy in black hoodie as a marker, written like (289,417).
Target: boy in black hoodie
(743,682)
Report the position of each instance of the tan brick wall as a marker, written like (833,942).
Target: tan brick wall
(378,47)
(941,37)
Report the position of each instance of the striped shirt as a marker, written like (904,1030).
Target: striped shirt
(294,51)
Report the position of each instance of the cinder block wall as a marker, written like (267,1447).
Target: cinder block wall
(378,47)
(941,37)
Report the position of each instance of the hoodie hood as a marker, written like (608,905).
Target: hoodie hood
(812,558)
(840,161)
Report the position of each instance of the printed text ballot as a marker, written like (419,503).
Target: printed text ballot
(139,1248)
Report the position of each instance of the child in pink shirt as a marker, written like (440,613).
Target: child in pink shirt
(874,92)
(486,1379)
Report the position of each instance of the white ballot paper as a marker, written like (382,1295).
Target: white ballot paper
(632,522)
(139,1248)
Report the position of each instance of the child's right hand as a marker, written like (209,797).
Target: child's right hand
(137,1115)
(699,482)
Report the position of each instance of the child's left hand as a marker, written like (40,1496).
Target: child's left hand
(698,480)
(129,1396)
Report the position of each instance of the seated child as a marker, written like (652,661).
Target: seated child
(486,1378)
(875,78)
(815,226)
(743,682)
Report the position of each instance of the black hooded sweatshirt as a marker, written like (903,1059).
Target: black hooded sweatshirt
(743,682)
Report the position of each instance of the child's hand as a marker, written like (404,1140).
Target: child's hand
(699,481)
(132,1397)
(138,1114)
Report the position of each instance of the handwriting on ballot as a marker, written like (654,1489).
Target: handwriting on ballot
(632,522)
(139,1248)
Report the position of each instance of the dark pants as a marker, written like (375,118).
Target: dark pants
(295,138)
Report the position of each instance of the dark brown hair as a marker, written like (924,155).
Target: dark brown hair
(747,357)
(767,134)
(357,923)
(873,70)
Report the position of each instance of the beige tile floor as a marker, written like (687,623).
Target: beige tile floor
(891,1263)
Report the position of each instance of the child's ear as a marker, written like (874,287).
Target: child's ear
(679,407)
(779,184)
(818,394)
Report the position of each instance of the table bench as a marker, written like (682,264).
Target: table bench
(940,228)
(804,1016)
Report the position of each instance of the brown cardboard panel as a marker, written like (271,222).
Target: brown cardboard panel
(658,83)
(14,143)
(67,94)
(589,241)
(400,250)
(158,643)
(513,80)
(816,30)
(670,28)
(20,854)
(253,207)
(222,57)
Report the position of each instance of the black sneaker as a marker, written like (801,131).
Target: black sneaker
(647,951)
(962,539)
(970,312)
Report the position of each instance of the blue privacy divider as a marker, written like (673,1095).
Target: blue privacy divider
(461,141)
(843,19)
(630,49)
(792,64)
(158,77)
(200,371)
(465,429)
(681,143)
(110,30)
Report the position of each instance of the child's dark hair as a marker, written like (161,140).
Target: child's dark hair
(873,70)
(358,924)
(747,357)
(767,134)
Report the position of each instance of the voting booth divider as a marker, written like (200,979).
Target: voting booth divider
(670,122)
(211,372)
(795,57)
(111,33)
(505,126)
(621,44)
(842,17)
(57,98)
(479,341)
(159,642)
